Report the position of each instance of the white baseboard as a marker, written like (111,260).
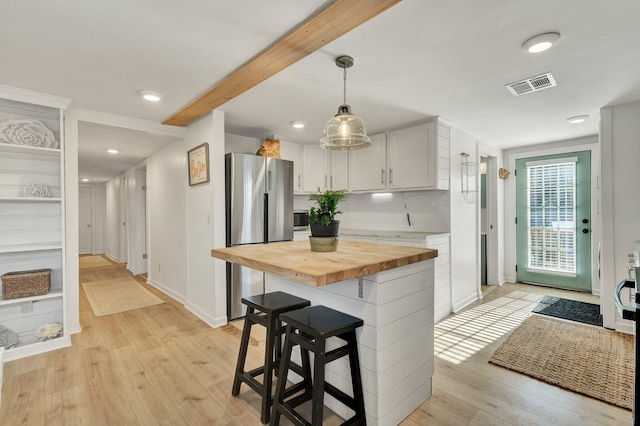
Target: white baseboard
(211,321)
(511,279)
(208,319)
(172,294)
(457,307)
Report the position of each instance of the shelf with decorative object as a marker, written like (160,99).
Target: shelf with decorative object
(31,199)
(53,294)
(32,222)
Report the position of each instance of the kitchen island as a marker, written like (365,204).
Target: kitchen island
(389,287)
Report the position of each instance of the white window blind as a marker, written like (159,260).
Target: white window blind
(551,215)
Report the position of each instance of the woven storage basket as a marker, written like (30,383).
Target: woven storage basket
(26,283)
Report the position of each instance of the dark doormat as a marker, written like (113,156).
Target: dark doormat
(587,313)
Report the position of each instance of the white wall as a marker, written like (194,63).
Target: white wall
(112,225)
(166,195)
(241,144)
(206,294)
(465,226)
(619,130)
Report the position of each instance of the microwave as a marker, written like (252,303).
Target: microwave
(300,220)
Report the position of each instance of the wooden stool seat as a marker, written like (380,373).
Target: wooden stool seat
(265,309)
(310,328)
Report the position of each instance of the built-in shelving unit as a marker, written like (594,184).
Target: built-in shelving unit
(32,228)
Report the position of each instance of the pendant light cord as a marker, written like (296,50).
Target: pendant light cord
(344,95)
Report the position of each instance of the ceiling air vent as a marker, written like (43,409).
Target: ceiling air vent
(531,84)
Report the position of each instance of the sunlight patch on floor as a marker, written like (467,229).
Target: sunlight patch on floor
(462,335)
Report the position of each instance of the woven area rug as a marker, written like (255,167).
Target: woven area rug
(93,262)
(119,295)
(588,360)
(572,310)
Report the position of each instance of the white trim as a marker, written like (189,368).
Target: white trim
(129,123)
(493,254)
(551,161)
(166,290)
(466,302)
(610,316)
(563,147)
(29,96)
(211,321)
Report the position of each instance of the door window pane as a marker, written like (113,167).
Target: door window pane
(551,212)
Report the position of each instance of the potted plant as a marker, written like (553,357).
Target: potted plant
(322,219)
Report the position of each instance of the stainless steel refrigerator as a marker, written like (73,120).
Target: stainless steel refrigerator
(259,210)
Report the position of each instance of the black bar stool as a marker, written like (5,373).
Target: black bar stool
(265,309)
(310,328)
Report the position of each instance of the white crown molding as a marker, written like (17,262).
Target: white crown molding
(129,123)
(29,96)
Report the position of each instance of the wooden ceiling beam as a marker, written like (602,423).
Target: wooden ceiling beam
(335,20)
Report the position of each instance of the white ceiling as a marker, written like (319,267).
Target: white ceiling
(419,58)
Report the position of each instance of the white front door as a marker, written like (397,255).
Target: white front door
(85,234)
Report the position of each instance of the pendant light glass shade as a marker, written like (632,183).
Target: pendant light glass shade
(344,131)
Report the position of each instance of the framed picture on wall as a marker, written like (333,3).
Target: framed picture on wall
(198,163)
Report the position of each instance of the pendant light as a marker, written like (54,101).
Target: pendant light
(345,131)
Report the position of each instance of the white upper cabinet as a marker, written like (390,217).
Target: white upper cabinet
(415,157)
(324,169)
(411,157)
(339,170)
(368,169)
(293,152)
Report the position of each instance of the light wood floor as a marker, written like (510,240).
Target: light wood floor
(162,365)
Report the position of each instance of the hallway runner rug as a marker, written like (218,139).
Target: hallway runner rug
(588,360)
(94,261)
(119,295)
(572,310)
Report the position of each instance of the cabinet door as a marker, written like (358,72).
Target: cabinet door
(314,169)
(367,171)
(339,176)
(412,157)
(293,152)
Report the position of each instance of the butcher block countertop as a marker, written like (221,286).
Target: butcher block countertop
(295,261)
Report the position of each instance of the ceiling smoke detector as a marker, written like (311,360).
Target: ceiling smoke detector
(531,84)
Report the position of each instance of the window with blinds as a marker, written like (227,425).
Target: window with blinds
(551,215)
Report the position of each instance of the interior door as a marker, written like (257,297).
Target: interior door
(84,213)
(553,230)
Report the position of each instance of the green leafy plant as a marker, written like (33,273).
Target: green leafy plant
(327,204)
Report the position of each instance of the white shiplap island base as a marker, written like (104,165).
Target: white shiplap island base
(396,342)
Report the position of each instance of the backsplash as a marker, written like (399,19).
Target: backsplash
(428,210)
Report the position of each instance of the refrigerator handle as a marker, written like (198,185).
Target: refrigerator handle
(266,218)
(269,181)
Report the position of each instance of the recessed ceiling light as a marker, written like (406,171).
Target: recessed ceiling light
(577,119)
(84,180)
(150,95)
(113,151)
(541,42)
(297,124)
